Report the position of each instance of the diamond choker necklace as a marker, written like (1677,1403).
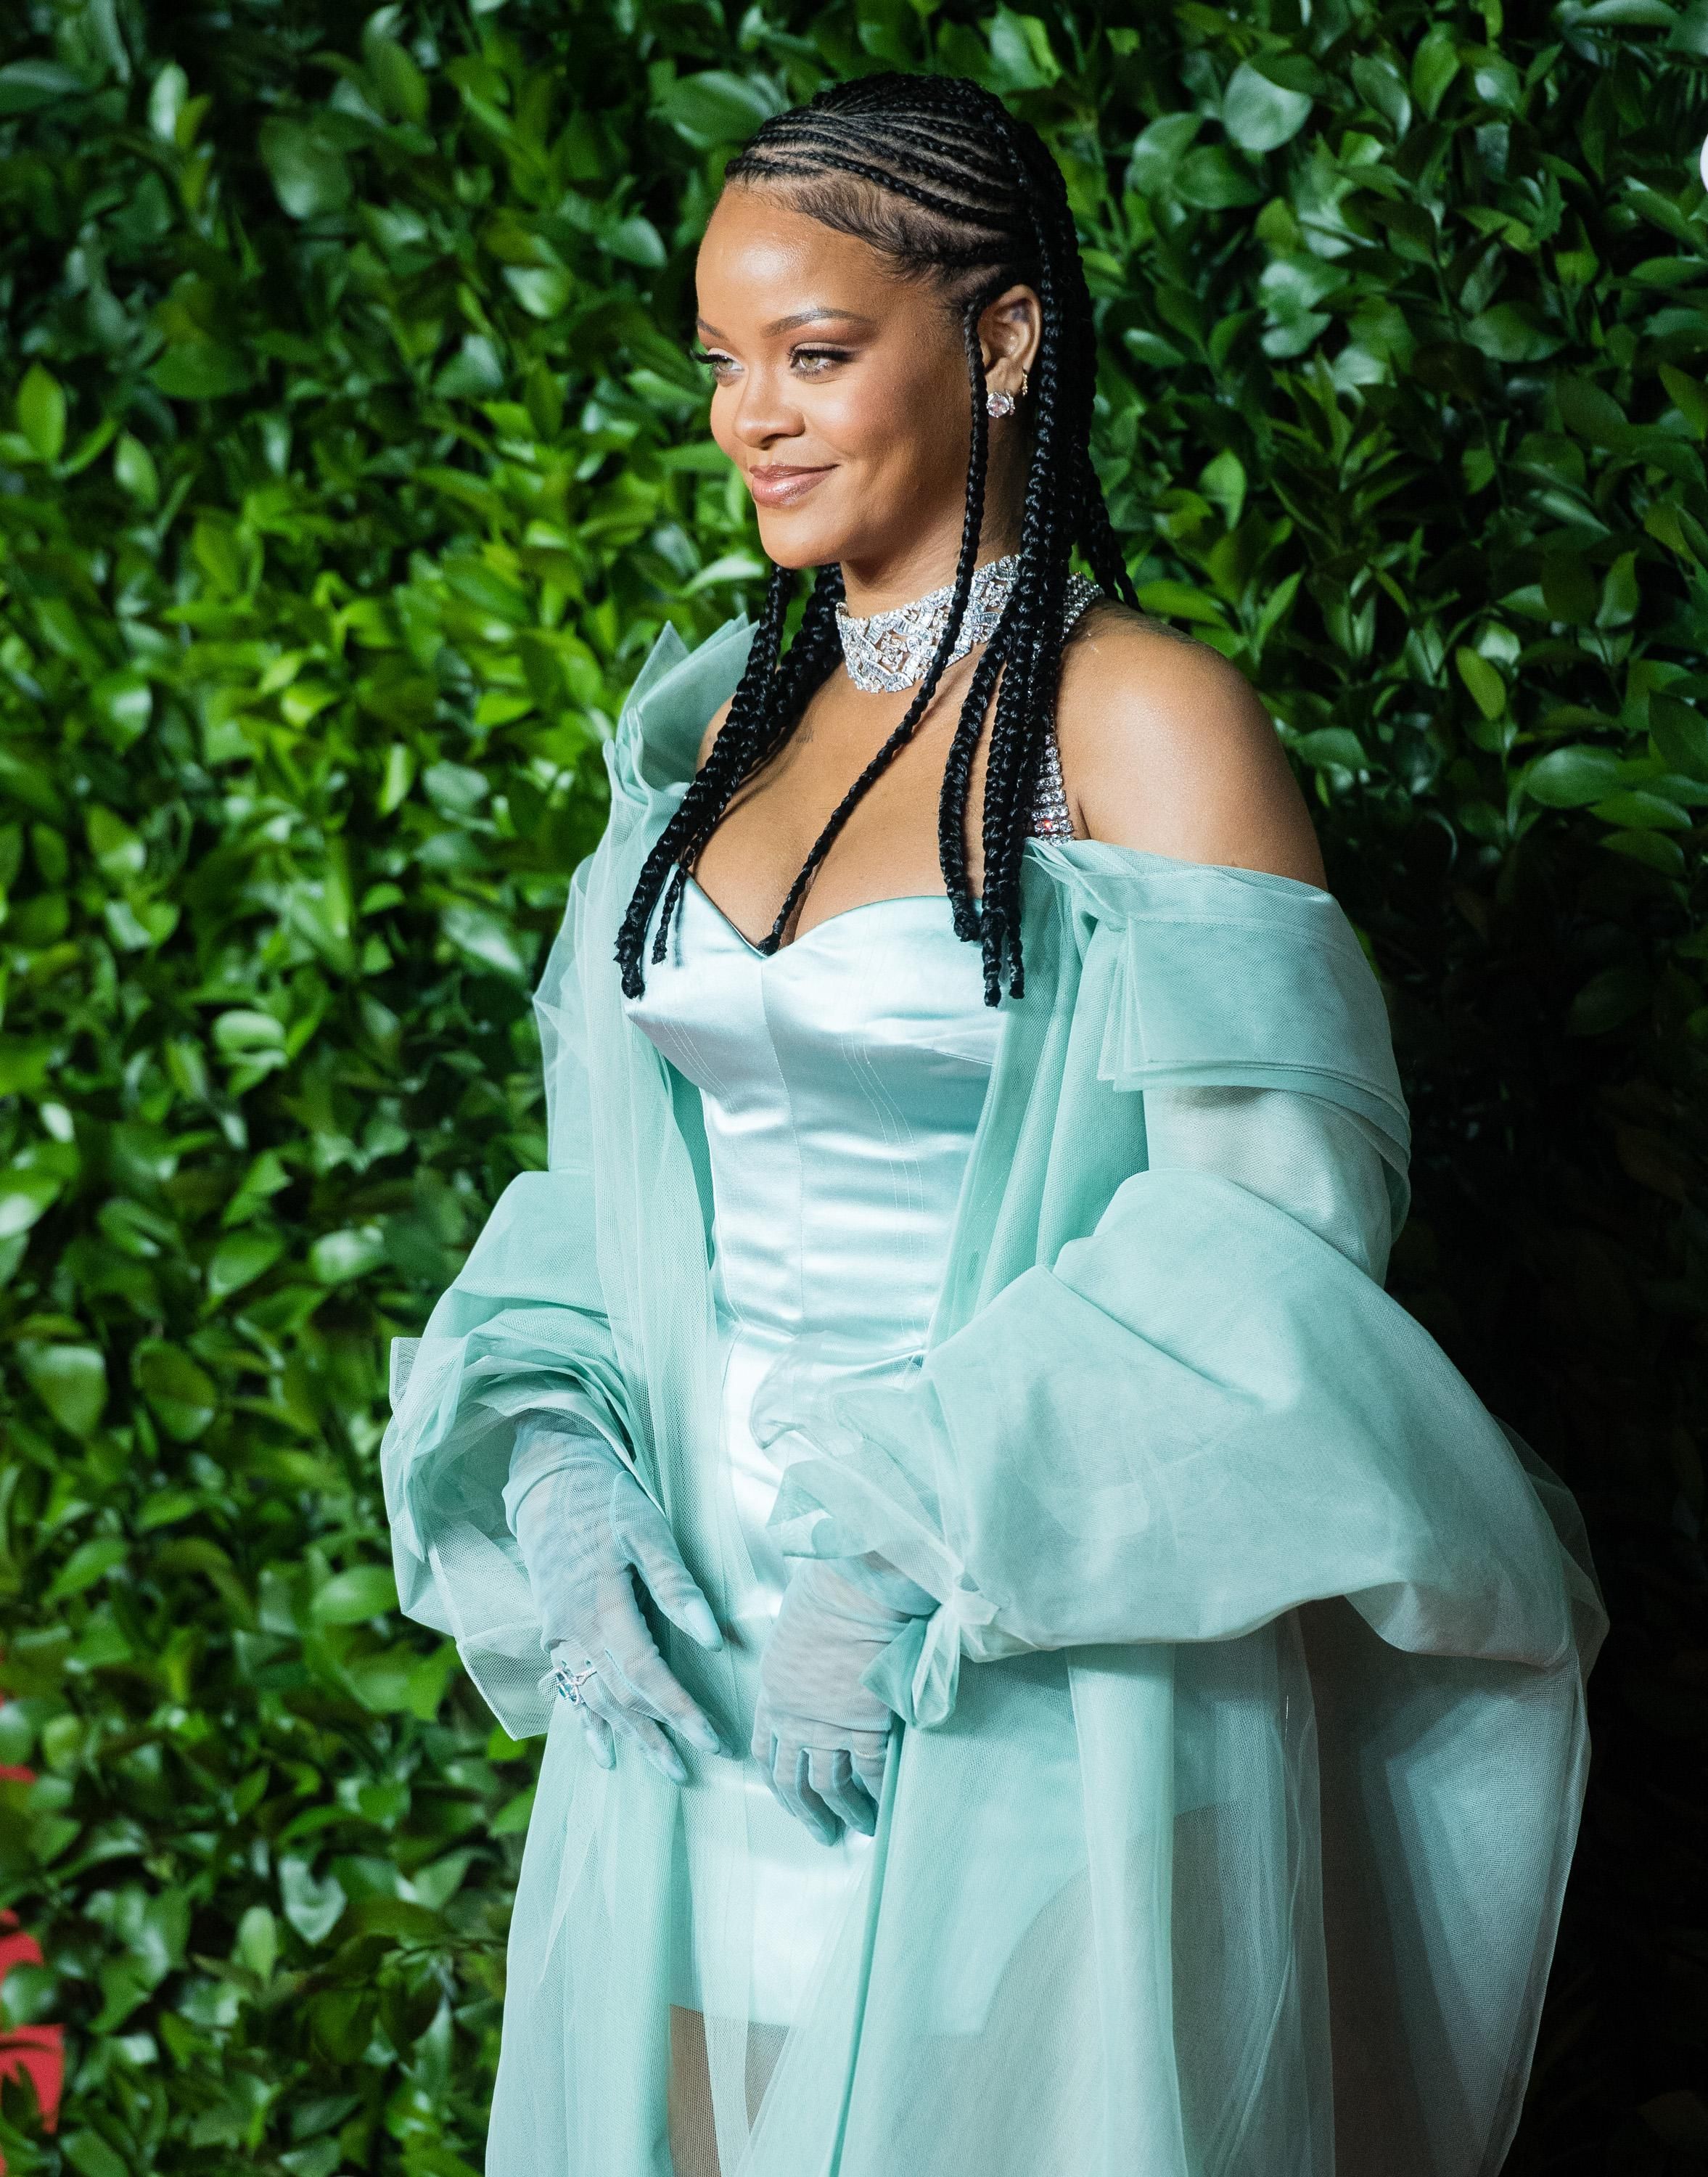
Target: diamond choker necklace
(894,650)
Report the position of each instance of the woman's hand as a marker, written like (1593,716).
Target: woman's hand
(586,1529)
(823,1737)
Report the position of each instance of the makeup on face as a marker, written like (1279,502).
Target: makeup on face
(832,386)
(774,484)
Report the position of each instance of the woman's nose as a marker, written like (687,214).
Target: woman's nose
(764,410)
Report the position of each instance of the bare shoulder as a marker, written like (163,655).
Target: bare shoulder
(714,726)
(1166,747)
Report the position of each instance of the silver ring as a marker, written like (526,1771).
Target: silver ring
(569,1683)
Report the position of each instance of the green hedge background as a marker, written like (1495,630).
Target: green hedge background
(350,461)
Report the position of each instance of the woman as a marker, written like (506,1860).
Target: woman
(1101,1696)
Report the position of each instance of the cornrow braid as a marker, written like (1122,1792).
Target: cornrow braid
(934,172)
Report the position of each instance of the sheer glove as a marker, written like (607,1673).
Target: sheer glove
(586,1528)
(823,1737)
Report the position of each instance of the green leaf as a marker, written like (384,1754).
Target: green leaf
(351,1597)
(240,1258)
(715,106)
(1260,115)
(1158,151)
(1211,179)
(1021,55)
(181,1394)
(24,1195)
(511,1818)
(1690,395)
(1177,601)
(1511,332)
(243,1035)
(1607,1000)
(336,1258)
(488,940)
(309,176)
(402,86)
(202,371)
(90,2156)
(1620,593)
(1433,66)
(40,410)
(637,241)
(1653,848)
(1331,744)
(313,1908)
(1626,15)
(1590,410)
(134,472)
(257,1946)
(1379,84)
(1681,735)
(124,703)
(1572,778)
(90,1562)
(24,85)
(543,290)
(1487,689)
(1637,811)
(69,1380)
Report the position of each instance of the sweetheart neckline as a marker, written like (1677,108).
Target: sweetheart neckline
(843,914)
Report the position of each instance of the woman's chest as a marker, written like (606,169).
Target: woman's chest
(888,844)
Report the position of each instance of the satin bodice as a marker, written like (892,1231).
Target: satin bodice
(841,1079)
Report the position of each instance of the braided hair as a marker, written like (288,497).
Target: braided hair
(935,173)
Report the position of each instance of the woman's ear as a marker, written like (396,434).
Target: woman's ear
(1011,331)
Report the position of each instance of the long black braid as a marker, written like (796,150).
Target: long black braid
(935,173)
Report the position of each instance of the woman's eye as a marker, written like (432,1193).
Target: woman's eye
(807,361)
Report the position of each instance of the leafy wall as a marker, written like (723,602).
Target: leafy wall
(351,462)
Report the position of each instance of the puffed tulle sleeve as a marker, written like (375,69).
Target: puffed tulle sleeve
(571,1301)
(522,1331)
(1206,1410)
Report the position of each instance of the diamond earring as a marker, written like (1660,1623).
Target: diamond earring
(999,404)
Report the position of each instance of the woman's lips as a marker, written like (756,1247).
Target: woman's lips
(776,485)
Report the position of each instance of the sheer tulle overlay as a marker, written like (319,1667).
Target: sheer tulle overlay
(1238,1767)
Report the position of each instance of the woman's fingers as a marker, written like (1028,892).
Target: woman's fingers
(605,1702)
(831,1775)
(597,1733)
(870,1753)
(645,1684)
(642,1680)
(644,1533)
(790,1774)
(783,1759)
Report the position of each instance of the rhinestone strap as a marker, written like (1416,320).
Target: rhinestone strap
(1052,818)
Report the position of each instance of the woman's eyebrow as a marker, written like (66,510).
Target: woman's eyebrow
(799,317)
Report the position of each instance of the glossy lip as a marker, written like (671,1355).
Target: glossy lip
(777,484)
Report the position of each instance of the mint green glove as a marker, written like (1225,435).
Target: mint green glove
(821,1737)
(586,1529)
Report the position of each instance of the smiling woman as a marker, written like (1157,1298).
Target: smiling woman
(1059,1673)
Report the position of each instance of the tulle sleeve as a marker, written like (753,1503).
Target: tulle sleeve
(523,1330)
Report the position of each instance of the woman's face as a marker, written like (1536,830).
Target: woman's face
(841,394)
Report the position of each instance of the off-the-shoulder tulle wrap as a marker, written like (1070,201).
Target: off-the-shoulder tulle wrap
(1241,1757)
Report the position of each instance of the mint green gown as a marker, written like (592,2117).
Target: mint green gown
(1238,1766)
